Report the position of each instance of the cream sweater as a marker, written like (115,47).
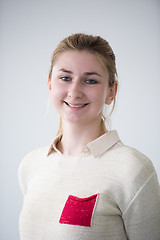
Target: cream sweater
(107,192)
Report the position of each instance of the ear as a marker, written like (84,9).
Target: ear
(112,93)
(49,84)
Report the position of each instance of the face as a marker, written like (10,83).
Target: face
(79,87)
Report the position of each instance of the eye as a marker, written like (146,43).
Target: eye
(91,81)
(65,78)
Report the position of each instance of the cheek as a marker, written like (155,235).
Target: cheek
(99,96)
(57,92)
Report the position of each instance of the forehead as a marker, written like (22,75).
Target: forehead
(84,59)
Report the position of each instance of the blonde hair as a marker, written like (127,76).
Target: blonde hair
(93,44)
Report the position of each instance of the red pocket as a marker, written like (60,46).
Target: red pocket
(78,211)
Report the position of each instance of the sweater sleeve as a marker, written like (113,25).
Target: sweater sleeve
(29,166)
(24,172)
(142,215)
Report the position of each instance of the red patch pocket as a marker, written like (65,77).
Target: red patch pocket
(78,211)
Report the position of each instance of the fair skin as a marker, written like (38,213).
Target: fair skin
(78,90)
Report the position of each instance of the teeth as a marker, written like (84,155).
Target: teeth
(77,106)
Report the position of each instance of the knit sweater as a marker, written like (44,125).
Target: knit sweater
(107,192)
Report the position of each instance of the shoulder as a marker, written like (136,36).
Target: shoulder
(35,156)
(38,152)
(132,159)
(131,168)
(132,172)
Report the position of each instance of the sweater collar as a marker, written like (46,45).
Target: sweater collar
(97,147)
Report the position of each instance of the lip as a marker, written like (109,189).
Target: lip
(76,105)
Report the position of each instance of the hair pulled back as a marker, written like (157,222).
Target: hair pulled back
(93,44)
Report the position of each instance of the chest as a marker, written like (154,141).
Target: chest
(73,198)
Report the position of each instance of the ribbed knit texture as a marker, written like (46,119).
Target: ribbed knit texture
(128,202)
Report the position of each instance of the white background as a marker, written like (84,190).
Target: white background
(29,32)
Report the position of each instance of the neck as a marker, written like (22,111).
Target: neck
(76,137)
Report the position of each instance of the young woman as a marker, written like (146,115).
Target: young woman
(88,185)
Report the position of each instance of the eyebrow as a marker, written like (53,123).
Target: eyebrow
(92,73)
(86,73)
(64,70)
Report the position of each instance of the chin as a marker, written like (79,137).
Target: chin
(75,121)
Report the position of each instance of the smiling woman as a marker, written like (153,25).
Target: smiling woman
(79,88)
(87,184)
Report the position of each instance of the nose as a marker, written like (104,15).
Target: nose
(75,90)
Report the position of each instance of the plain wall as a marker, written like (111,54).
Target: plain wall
(29,32)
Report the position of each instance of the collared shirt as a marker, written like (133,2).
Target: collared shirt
(97,147)
(107,192)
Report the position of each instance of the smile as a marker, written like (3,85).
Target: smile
(76,105)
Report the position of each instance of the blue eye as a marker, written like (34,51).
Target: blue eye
(91,81)
(66,79)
